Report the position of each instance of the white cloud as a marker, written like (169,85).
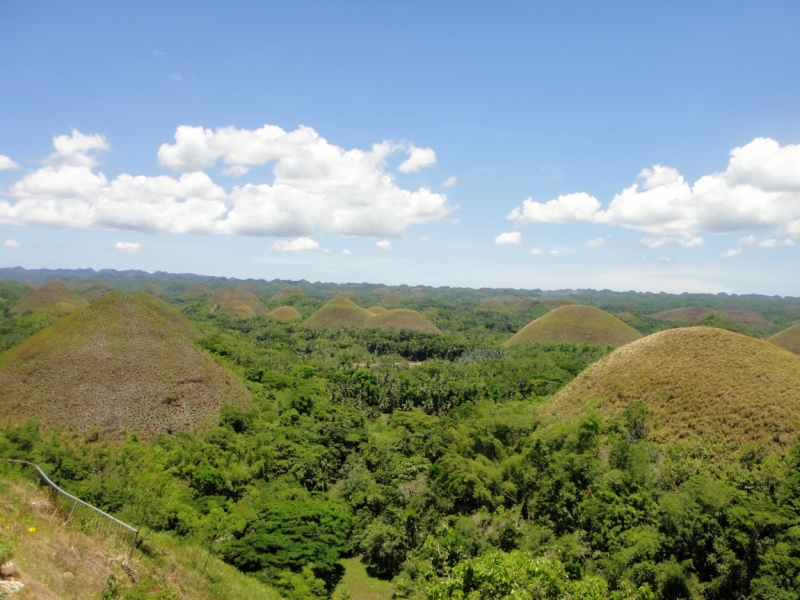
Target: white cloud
(664,259)
(731,253)
(6,164)
(346,252)
(759,189)
(425,238)
(511,238)
(554,252)
(11,244)
(536,251)
(598,241)
(418,159)
(384,245)
(450,181)
(176,77)
(768,242)
(317,187)
(127,246)
(297,245)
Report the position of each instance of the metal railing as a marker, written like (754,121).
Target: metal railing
(110,526)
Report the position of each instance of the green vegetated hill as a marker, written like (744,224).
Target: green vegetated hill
(236,303)
(116,365)
(685,314)
(694,314)
(788,339)
(150,288)
(401,319)
(55,295)
(492,305)
(339,313)
(576,324)
(285,313)
(697,381)
(196,291)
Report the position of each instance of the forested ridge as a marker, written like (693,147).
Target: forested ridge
(427,456)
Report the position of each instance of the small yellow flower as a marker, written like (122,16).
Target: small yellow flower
(8,527)
(31,529)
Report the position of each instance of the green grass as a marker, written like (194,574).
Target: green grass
(54,294)
(339,313)
(116,365)
(576,324)
(285,313)
(698,382)
(788,339)
(360,585)
(401,319)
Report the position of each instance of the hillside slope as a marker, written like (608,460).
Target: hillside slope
(238,304)
(788,339)
(576,324)
(339,313)
(116,365)
(697,381)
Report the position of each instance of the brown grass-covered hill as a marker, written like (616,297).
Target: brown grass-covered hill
(116,365)
(339,313)
(285,313)
(196,291)
(55,295)
(788,339)
(685,314)
(401,319)
(492,306)
(94,291)
(283,294)
(393,299)
(576,324)
(377,310)
(181,324)
(238,304)
(696,381)
(746,317)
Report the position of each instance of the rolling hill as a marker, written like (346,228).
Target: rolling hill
(696,381)
(54,295)
(377,310)
(686,314)
(492,306)
(196,291)
(401,319)
(339,313)
(788,339)
(237,304)
(150,288)
(576,324)
(393,299)
(94,291)
(116,365)
(691,314)
(285,313)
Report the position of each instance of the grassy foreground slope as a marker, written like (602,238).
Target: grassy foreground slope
(339,313)
(697,381)
(576,324)
(116,365)
(401,319)
(788,339)
(54,294)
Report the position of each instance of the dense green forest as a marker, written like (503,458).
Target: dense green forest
(425,455)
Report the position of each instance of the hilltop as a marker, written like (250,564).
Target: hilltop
(180,323)
(377,310)
(788,339)
(696,381)
(339,313)
(576,324)
(239,304)
(55,295)
(285,313)
(94,291)
(401,319)
(116,365)
(196,291)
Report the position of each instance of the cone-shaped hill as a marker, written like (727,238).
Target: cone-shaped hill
(55,295)
(687,314)
(285,313)
(116,365)
(181,324)
(339,313)
(576,324)
(94,291)
(377,310)
(283,294)
(238,304)
(696,381)
(788,339)
(401,319)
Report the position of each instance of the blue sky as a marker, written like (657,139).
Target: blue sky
(562,105)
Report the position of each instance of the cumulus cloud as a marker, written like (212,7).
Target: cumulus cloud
(595,242)
(317,186)
(346,252)
(6,164)
(733,252)
(127,246)
(425,238)
(536,251)
(554,252)
(418,159)
(664,259)
(11,244)
(510,238)
(760,189)
(384,245)
(297,245)
(450,181)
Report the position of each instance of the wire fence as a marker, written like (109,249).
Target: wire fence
(85,517)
